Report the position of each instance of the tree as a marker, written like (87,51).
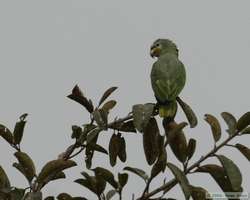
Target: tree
(141,119)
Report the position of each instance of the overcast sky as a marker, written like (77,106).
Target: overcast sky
(46,47)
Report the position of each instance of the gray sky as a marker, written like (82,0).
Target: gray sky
(47,47)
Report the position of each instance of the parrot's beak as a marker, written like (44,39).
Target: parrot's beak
(155,51)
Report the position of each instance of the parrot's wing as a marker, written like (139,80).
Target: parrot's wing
(168,78)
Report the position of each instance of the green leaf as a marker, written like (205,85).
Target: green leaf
(53,167)
(244,150)
(232,172)
(198,193)
(114,147)
(106,94)
(100,116)
(6,134)
(64,196)
(4,180)
(33,196)
(123,179)
(231,122)
(27,164)
(243,122)
(191,148)
(110,194)
(106,175)
(138,172)
(122,149)
(92,135)
(215,126)
(78,96)
(92,138)
(246,131)
(142,115)
(181,178)
(59,175)
(191,117)
(109,105)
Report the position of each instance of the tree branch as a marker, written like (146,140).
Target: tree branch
(170,184)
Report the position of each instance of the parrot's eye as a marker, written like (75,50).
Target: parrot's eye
(157,45)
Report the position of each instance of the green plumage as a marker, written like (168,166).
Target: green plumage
(168,76)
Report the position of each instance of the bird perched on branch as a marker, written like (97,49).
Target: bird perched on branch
(168,76)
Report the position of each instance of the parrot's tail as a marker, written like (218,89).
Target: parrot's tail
(168,110)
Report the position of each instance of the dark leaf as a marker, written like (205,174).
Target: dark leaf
(122,149)
(114,147)
(18,130)
(138,172)
(79,198)
(106,94)
(95,184)
(6,134)
(142,115)
(218,174)
(64,196)
(127,127)
(76,131)
(172,129)
(78,96)
(49,198)
(33,196)
(17,193)
(110,194)
(160,165)
(244,150)
(243,122)
(231,122)
(181,178)
(177,140)
(150,141)
(106,175)
(27,164)
(53,167)
(109,105)
(199,193)
(232,172)
(215,126)
(191,117)
(123,179)
(4,181)
(191,148)
(97,147)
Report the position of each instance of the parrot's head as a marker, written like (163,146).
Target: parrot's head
(163,46)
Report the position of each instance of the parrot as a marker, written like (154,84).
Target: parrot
(168,76)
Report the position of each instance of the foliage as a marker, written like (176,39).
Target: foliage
(141,120)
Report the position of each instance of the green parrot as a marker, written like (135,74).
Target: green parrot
(168,76)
